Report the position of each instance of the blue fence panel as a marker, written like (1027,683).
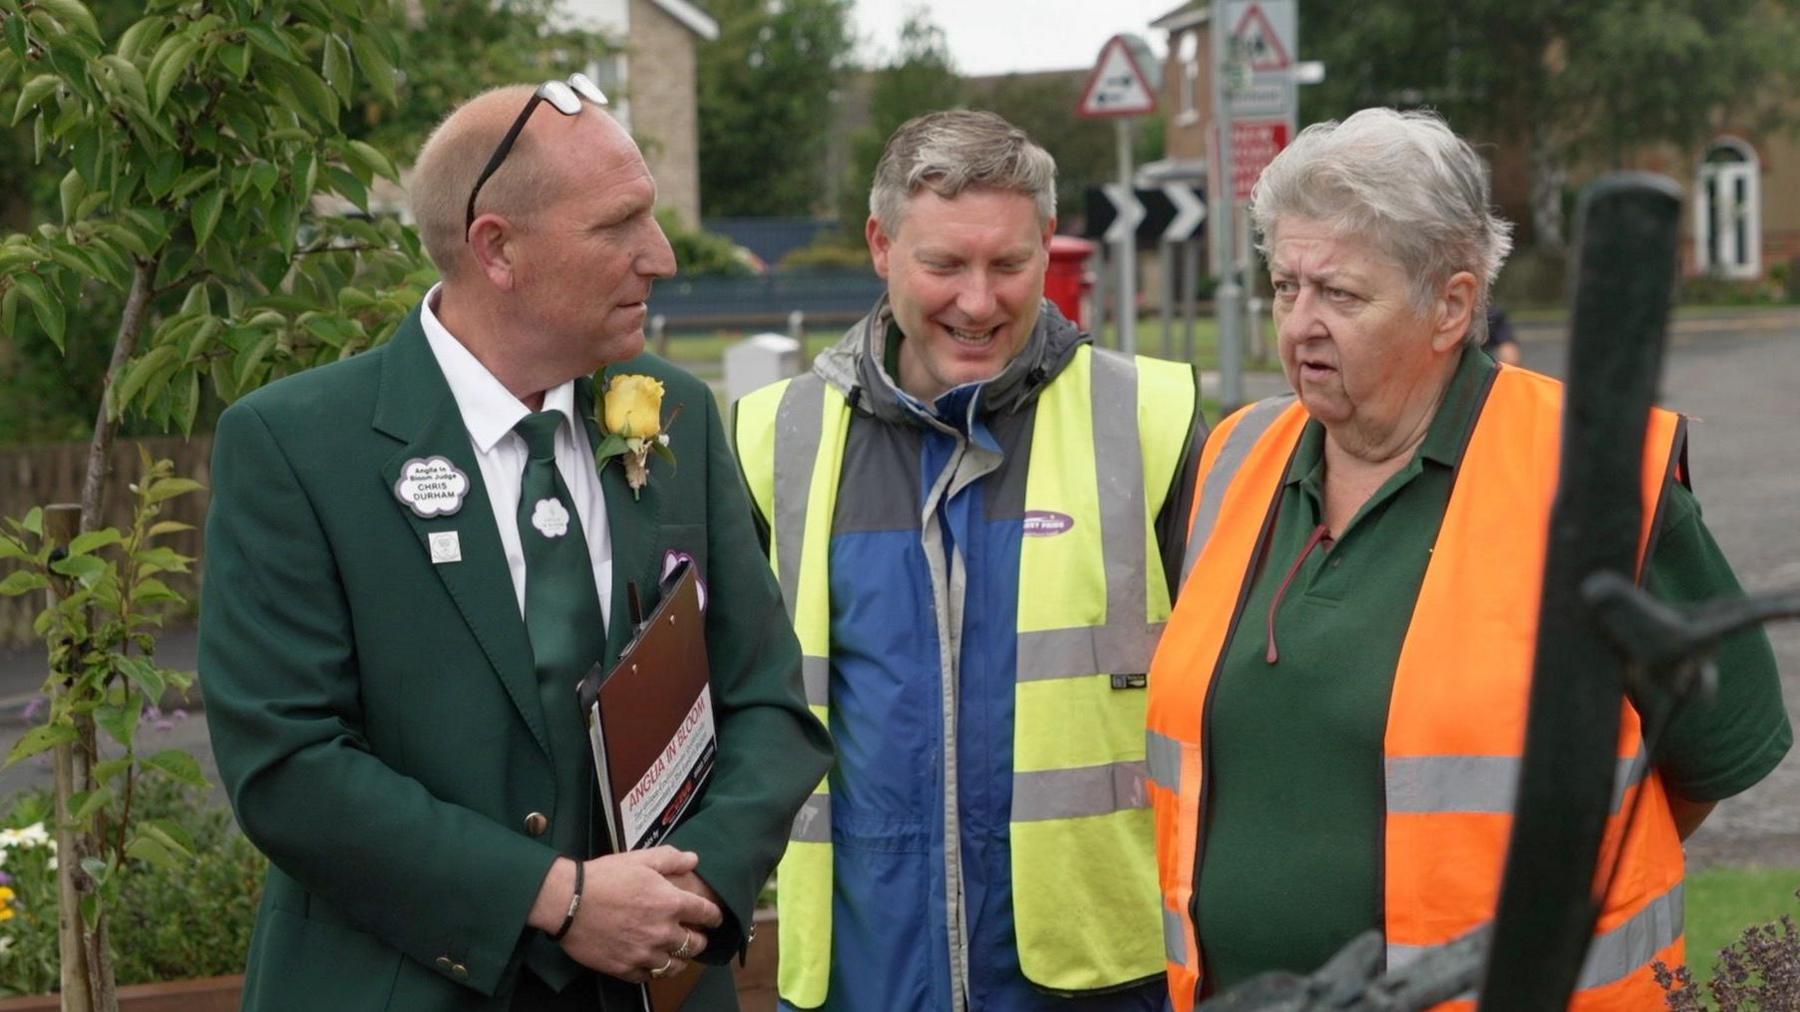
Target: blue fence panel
(826,297)
(770,238)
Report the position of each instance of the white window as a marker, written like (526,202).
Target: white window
(1728,211)
(1188,59)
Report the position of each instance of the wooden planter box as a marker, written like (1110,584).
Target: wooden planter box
(755,982)
(208,994)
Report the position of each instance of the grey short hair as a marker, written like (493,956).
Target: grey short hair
(447,167)
(1403,182)
(956,150)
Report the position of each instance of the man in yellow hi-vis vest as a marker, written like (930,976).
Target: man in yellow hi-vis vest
(976,518)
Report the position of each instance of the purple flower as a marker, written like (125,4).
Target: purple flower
(35,708)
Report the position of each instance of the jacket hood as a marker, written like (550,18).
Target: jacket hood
(856,365)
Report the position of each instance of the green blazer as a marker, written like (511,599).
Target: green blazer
(376,719)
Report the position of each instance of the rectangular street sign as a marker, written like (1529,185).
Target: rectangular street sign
(1260,56)
(1254,144)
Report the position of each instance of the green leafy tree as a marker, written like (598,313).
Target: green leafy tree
(918,78)
(1576,83)
(766,94)
(452,50)
(1043,105)
(194,150)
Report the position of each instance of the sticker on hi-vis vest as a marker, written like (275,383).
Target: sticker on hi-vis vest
(431,486)
(1136,681)
(1047,523)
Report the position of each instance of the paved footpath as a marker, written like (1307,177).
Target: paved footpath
(1737,376)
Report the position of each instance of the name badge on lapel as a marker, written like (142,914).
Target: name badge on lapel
(431,486)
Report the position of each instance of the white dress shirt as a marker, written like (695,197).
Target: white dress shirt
(489,412)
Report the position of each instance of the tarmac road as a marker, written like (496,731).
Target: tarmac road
(1738,378)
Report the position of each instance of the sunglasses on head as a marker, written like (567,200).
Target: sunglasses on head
(565,97)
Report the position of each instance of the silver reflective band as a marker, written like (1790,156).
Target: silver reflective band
(1125,648)
(1617,953)
(815,672)
(799,424)
(1119,472)
(1614,955)
(1174,941)
(1450,784)
(813,823)
(1163,756)
(1077,793)
(1231,456)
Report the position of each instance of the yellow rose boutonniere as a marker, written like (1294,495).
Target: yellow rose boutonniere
(632,427)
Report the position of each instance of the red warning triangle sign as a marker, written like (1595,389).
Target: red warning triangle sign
(1119,84)
(1258,43)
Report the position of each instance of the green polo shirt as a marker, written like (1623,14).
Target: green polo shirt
(1293,847)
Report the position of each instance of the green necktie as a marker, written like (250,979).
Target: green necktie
(562,608)
(562,617)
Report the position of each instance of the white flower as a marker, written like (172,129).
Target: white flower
(31,836)
(5,944)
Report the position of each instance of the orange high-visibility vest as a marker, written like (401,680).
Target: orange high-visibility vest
(1456,721)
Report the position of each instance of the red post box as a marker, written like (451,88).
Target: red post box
(1068,281)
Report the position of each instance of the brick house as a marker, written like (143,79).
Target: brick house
(651,81)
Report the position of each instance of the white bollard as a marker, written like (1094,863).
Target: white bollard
(758,361)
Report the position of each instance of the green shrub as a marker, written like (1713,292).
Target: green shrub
(830,251)
(167,925)
(701,253)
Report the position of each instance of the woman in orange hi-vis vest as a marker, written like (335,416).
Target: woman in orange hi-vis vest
(1337,707)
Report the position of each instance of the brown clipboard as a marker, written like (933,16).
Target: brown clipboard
(644,709)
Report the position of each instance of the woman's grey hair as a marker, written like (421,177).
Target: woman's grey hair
(1401,181)
(956,150)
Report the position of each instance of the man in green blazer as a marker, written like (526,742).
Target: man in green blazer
(411,559)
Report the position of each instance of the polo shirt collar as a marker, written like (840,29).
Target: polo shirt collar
(1444,439)
(489,410)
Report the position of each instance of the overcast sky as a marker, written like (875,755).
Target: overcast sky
(1001,36)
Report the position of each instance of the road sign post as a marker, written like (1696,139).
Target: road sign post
(1120,87)
(1254,116)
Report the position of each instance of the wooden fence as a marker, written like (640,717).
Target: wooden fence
(40,475)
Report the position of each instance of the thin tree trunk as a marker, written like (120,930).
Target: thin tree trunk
(131,327)
(89,984)
(87,978)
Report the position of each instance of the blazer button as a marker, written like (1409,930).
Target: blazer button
(537,824)
(444,963)
(460,970)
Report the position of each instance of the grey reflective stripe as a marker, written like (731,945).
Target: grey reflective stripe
(812,824)
(1616,954)
(1163,756)
(1077,793)
(815,672)
(1612,956)
(1448,784)
(1119,470)
(1125,648)
(799,425)
(1174,940)
(1232,455)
